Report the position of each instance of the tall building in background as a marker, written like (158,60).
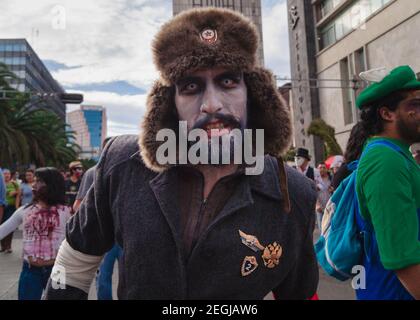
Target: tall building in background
(348,37)
(90,126)
(249,8)
(32,74)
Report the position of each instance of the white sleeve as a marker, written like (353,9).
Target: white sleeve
(74,268)
(12,223)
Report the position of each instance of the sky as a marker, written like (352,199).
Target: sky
(101,48)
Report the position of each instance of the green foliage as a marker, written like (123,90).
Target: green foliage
(321,129)
(290,154)
(32,135)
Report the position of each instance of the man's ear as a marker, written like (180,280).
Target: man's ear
(387,114)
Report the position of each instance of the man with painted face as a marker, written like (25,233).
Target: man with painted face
(388,187)
(198,231)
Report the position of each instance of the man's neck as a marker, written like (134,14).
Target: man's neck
(74,179)
(392,133)
(212,174)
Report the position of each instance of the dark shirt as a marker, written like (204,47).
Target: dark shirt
(71,191)
(197,212)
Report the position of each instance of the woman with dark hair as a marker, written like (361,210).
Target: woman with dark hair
(44,222)
(358,137)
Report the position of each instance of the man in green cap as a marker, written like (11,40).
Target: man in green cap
(388,187)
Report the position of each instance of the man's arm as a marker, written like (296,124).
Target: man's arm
(72,274)
(302,281)
(392,207)
(410,278)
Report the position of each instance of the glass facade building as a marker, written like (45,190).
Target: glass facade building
(331,43)
(249,8)
(32,74)
(90,126)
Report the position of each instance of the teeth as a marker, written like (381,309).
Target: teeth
(219,126)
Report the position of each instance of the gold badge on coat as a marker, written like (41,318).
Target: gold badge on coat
(249,265)
(251,241)
(271,255)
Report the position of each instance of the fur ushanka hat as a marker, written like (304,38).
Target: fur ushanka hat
(206,38)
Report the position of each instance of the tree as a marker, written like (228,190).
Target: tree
(32,135)
(321,129)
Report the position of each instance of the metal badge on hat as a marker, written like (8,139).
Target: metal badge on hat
(209,36)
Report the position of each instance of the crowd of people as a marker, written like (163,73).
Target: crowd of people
(207,231)
(41,202)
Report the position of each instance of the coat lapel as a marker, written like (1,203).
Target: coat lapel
(241,198)
(164,187)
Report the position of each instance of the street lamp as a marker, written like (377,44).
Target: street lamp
(71,98)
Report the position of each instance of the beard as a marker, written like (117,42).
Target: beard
(220,147)
(409,130)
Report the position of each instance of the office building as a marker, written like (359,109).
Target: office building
(90,126)
(331,42)
(32,75)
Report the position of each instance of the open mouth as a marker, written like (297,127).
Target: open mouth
(218,128)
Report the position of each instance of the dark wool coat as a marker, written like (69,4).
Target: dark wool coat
(138,208)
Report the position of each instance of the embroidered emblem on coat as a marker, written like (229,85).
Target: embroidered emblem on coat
(209,36)
(271,255)
(249,265)
(251,241)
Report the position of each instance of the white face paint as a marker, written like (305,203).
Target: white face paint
(299,161)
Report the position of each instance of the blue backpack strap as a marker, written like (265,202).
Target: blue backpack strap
(386,143)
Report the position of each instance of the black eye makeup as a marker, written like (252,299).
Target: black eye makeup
(229,79)
(189,85)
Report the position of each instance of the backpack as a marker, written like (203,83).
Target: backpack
(345,235)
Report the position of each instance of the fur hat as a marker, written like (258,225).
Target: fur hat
(199,39)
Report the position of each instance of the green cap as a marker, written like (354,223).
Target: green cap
(401,78)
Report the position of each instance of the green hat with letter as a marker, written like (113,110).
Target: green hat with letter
(401,78)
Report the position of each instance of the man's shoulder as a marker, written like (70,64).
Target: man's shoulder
(299,183)
(120,149)
(380,160)
(300,186)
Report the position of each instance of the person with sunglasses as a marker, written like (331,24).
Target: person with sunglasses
(73,183)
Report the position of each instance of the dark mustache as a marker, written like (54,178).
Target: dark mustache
(226,118)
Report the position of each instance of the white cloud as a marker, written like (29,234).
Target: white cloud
(109,40)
